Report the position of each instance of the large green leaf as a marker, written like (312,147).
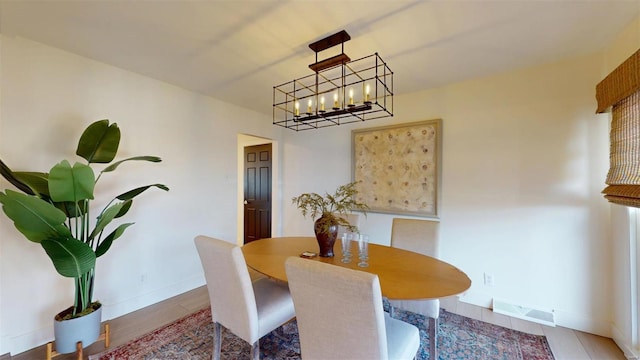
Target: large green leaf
(35,218)
(126,205)
(135,158)
(6,172)
(71,257)
(73,184)
(137,191)
(99,142)
(106,243)
(38,182)
(105,218)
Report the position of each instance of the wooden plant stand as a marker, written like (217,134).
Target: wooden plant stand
(104,336)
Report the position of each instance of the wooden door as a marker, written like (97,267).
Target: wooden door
(257,192)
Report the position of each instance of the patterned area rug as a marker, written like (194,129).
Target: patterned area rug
(459,338)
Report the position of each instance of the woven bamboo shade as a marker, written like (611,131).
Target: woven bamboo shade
(622,82)
(621,91)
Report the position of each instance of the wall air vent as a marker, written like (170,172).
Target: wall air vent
(521,312)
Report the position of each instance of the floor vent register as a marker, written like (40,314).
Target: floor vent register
(525,313)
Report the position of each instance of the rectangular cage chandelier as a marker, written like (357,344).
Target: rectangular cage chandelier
(340,91)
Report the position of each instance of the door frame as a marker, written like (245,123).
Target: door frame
(276,206)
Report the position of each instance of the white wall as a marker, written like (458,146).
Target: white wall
(624,235)
(625,301)
(48,98)
(524,160)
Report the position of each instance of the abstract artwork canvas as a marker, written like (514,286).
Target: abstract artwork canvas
(397,167)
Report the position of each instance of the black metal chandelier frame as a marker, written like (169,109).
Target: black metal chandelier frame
(359,90)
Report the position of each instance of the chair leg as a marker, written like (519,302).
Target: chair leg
(217,340)
(391,311)
(433,339)
(255,350)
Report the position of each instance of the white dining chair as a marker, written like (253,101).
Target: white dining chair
(421,236)
(340,315)
(248,309)
(352,219)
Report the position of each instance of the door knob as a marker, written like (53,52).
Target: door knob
(246,202)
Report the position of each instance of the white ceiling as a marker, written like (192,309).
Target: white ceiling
(237,51)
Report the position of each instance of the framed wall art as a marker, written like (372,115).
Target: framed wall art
(398,167)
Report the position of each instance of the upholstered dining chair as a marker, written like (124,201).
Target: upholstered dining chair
(421,236)
(248,309)
(353,219)
(340,315)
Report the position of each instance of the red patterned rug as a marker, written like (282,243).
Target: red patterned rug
(459,338)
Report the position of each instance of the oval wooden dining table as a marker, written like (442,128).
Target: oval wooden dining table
(404,275)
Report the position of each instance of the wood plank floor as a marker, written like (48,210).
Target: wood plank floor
(566,344)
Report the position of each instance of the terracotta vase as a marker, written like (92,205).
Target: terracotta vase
(326,239)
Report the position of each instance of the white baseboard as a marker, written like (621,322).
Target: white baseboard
(476,298)
(623,344)
(3,350)
(580,322)
(24,342)
(114,310)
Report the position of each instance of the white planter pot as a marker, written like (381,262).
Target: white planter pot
(68,332)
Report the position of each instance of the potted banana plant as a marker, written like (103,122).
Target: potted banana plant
(330,208)
(54,210)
